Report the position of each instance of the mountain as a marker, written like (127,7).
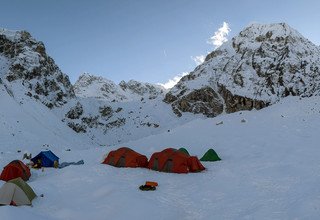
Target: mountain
(98,87)
(26,69)
(109,113)
(256,68)
(95,108)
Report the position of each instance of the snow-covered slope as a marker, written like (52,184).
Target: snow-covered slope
(98,87)
(109,123)
(30,125)
(254,69)
(269,170)
(111,113)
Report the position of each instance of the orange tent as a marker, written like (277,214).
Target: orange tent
(173,161)
(15,169)
(126,157)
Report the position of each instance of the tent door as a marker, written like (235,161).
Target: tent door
(121,162)
(168,166)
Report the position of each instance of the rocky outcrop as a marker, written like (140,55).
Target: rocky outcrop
(75,112)
(79,128)
(261,65)
(234,103)
(30,66)
(205,101)
(147,90)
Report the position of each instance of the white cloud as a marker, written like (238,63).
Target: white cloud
(220,36)
(198,59)
(172,82)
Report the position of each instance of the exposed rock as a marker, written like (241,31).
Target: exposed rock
(205,101)
(79,128)
(75,112)
(234,103)
(118,110)
(149,124)
(91,122)
(106,111)
(117,123)
(169,98)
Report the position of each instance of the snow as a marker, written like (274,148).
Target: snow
(269,170)
(90,86)
(29,124)
(12,35)
(142,118)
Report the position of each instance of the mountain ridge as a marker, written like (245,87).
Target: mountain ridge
(256,68)
(89,85)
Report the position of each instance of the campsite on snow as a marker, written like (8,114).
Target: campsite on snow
(236,138)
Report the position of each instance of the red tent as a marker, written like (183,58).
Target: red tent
(15,169)
(174,161)
(126,157)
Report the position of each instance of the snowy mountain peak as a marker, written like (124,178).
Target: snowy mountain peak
(142,89)
(98,87)
(259,66)
(275,30)
(15,36)
(26,69)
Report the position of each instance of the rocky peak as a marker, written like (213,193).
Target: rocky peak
(259,66)
(25,62)
(142,89)
(93,86)
(98,87)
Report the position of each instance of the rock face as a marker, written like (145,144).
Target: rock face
(25,62)
(98,87)
(204,100)
(255,69)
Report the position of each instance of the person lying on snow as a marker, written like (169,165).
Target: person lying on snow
(37,165)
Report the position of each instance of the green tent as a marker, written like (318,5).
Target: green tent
(183,150)
(16,192)
(210,155)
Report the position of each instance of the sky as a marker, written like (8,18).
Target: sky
(146,40)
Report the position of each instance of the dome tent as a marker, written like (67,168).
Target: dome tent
(47,158)
(183,150)
(16,192)
(126,157)
(15,169)
(210,155)
(174,161)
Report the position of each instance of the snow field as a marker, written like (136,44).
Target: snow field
(269,170)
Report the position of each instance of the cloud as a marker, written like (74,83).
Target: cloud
(172,82)
(220,36)
(198,59)
(165,53)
